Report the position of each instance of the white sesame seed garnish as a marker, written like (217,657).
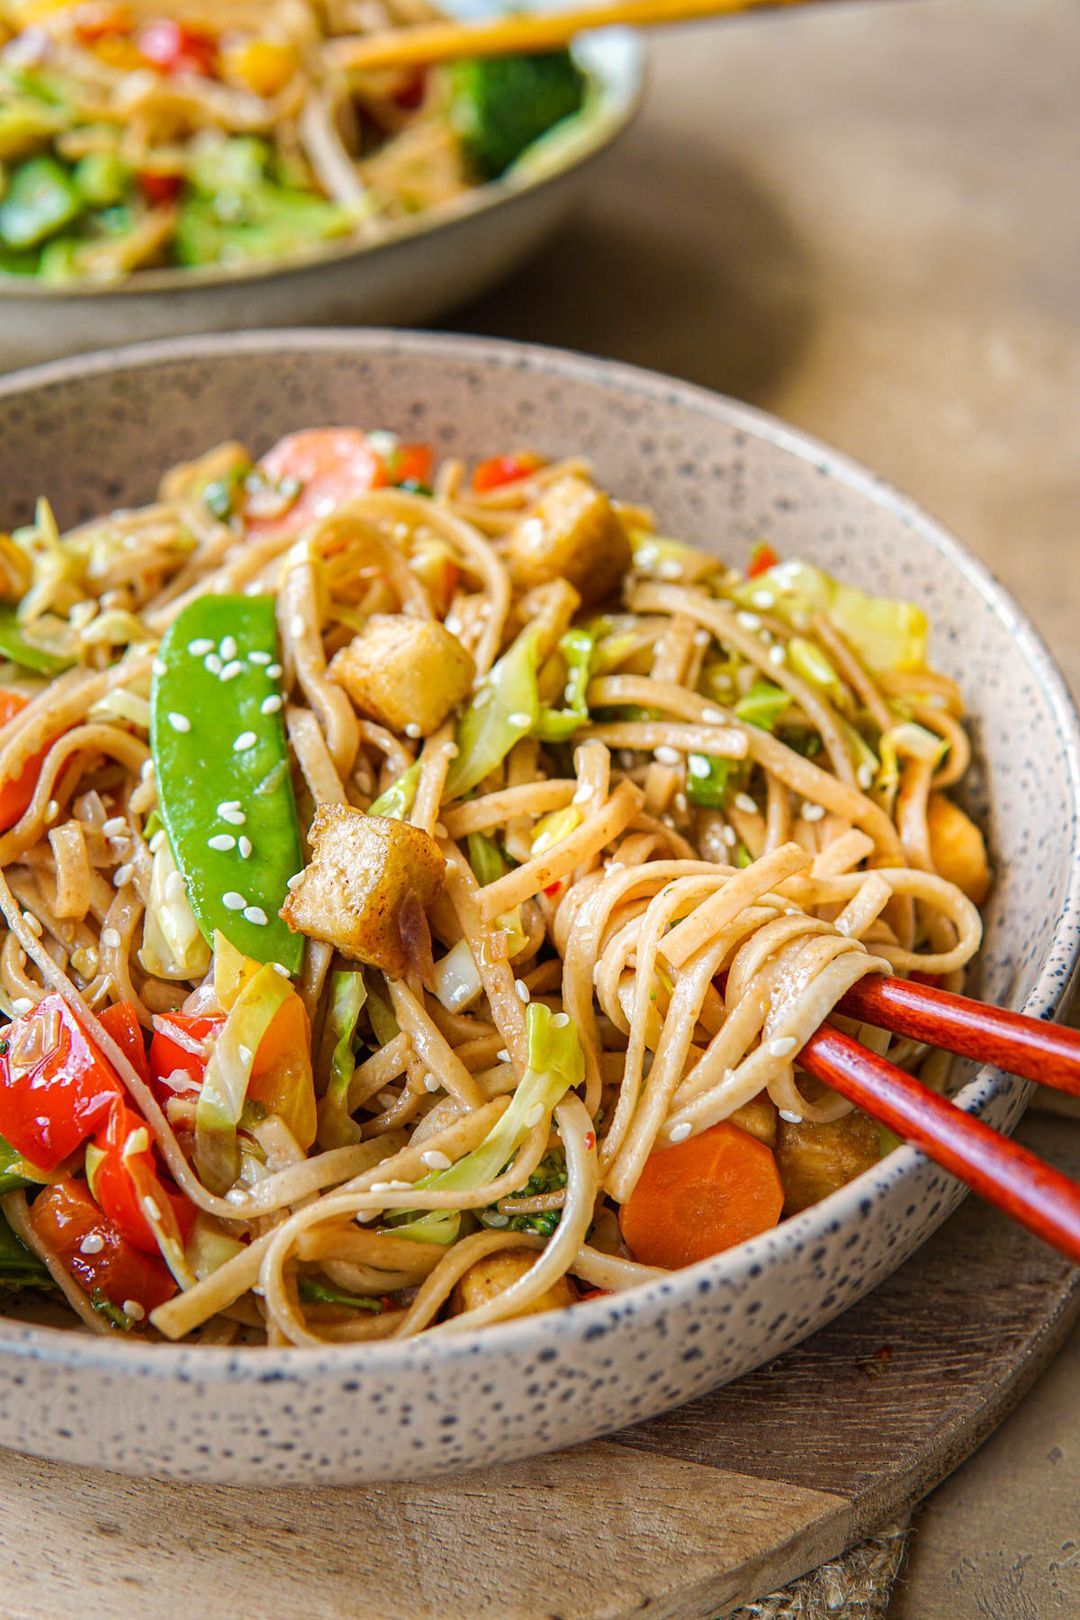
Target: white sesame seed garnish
(256,914)
(864,776)
(749,621)
(763,599)
(228,647)
(122,875)
(52,810)
(179,722)
(258,657)
(228,804)
(243,844)
(520,718)
(221,841)
(679,1132)
(32,923)
(212,664)
(698,765)
(157,841)
(521,990)
(534,1116)
(745,803)
(436,1160)
(235,818)
(296,625)
(22,1005)
(729,836)
(497,1220)
(279,967)
(114,826)
(200,646)
(363,1216)
(274,671)
(560,1020)
(110,938)
(146,770)
(233,901)
(297,877)
(782,1046)
(413,730)
(812,812)
(431,1082)
(151,1210)
(701,638)
(792,1119)
(271,704)
(503,1056)
(92,1243)
(712,716)
(778,654)
(246,740)
(132,1308)
(232,669)
(158,666)
(669,568)
(666,756)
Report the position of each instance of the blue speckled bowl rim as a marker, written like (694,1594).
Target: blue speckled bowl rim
(293,1364)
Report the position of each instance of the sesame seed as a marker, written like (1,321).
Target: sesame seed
(158,666)
(729,836)
(200,646)
(534,1116)
(669,568)
(243,843)
(114,826)
(763,599)
(778,654)
(122,875)
(212,664)
(413,730)
(22,1005)
(698,765)
(680,803)
(712,716)
(666,756)
(792,1119)
(497,1220)
(132,1308)
(701,638)
(749,621)
(503,1056)
(812,812)
(279,967)
(679,1132)
(157,841)
(520,718)
(363,1216)
(864,776)
(146,770)
(32,923)
(110,938)
(232,669)
(151,1210)
(221,841)
(783,1046)
(246,740)
(296,625)
(745,803)
(228,804)
(235,818)
(179,722)
(92,1243)
(274,671)
(256,914)
(431,1082)
(228,647)
(521,990)
(52,810)
(297,877)
(258,657)
(233,901)
(436,1160)
(271,704)
(560,1020)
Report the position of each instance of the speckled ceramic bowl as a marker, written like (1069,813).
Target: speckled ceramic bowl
(94,433)
(417,268)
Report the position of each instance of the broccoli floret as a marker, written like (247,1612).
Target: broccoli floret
(499,105)
(549,1176)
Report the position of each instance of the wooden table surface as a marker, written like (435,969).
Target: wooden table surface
(868,221)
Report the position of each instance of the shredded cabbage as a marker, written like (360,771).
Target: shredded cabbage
(557,725)
(224,1087)
(909,741)
(885,632)
(458,985)
(348,993)
(505,709)
(398,799)
(172,947)
(763,705)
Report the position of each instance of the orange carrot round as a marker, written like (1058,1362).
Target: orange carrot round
(702,1196)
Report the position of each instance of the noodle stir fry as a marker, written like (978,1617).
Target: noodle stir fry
(224,132)
(420,882)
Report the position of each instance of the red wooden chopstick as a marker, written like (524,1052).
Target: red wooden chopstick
(1046,1053)
(999,1170)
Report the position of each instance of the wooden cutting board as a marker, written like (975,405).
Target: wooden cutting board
(679,1518)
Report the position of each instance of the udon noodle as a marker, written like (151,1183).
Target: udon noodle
(631,861)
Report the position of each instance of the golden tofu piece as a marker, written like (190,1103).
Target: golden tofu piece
(574,533)
(495,1272)
(368,888)
(814,1160)
(957,848)
(757,1118)
(404,672)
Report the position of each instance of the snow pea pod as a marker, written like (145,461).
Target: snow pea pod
(14,645)
(224,785)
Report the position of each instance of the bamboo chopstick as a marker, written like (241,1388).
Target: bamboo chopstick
(540,31)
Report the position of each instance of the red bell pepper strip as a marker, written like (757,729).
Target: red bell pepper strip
(168,1056)
(762,558)
(500,470)
(410,464)
(123,1177)
(93,1249)
(120,1021)
(17,791)
(55,1087)
(175,47)
(158,188)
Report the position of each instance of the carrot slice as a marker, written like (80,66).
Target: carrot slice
(331,465)
(700,1197)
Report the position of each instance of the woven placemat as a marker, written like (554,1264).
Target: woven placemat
(857,1586)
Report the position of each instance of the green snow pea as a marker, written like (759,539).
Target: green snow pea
(14,645)
(224,786)
(40,200)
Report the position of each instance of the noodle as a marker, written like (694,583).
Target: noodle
(657,835)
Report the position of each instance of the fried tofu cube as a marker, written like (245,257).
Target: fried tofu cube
(404,672)
(368,887)
(574,533)
(758,1118)
(489,1277)
(814,1160)
(957,848)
